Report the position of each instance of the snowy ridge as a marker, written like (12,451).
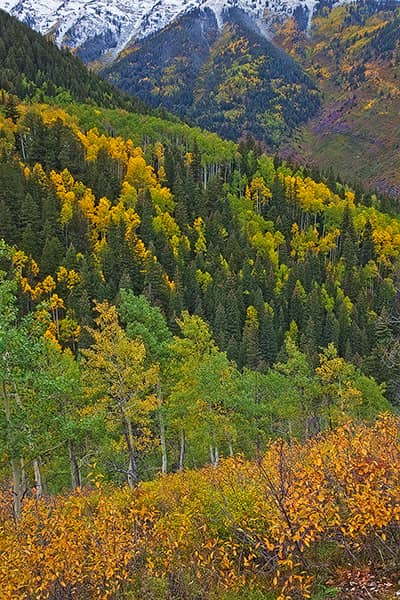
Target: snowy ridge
(117,23)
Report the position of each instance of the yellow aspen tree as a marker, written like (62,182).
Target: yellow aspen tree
(117,372)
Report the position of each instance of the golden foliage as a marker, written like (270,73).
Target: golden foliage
(258,524)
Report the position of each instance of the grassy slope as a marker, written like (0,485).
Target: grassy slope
(357,131)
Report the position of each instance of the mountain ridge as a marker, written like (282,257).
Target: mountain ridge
(32,67)
(100,30)
(232,81)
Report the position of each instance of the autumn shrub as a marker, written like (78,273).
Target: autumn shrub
(268,527)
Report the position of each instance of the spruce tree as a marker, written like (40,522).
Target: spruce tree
(367,246)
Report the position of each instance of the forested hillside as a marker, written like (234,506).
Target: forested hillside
(199,355)
(33,68)
(232,81)
(280,291)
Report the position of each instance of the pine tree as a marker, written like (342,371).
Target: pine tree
(348,239)
(52,255)
(250,354)
(367,246)
(297,304)
(146,213)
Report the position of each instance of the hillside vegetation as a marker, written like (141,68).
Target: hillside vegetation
(353,55)
(199,365)
(254,300)
(329,99)
(231,81)
(281,527)
(33,68)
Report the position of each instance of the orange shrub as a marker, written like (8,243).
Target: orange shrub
(255,524)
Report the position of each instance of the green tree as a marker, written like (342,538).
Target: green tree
(118,376)
(250,349)
(345,392)
(367,246)
(199,375)
(146,322)
(299,404)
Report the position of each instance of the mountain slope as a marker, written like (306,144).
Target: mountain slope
(100,29)
(235,82)
(232,81)
(354,55)
(172,299)
(32,67)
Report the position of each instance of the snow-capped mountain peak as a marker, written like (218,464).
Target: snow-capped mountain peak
(101,29)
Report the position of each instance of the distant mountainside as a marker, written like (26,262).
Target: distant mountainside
(354,56)
(232,81)
(101,29)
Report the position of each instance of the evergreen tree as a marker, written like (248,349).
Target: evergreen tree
(250,354)
(367,246)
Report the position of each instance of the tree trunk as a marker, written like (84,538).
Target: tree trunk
(17,487)
(216,456)
(22,138)
(38,479)
(163,442)
(24,485)
(230,446)
(212,459)
(133,474)
(74,465)
(182,451)
(15,463)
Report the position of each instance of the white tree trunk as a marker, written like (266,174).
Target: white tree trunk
(182,451)
(38,479)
